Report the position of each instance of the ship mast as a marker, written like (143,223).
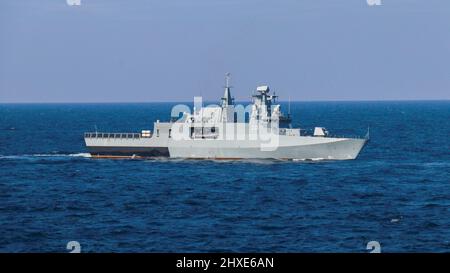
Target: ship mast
(227,99)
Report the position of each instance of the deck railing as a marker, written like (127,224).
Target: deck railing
(112,135)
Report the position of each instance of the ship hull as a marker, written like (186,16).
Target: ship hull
(277,146)
(124,151)
(301,148)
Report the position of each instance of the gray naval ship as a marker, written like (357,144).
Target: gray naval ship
(228,131)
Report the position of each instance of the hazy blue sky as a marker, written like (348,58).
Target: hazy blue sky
(166,50)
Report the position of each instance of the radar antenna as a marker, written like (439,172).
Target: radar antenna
(227,79)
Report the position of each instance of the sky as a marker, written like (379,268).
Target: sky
(173,50)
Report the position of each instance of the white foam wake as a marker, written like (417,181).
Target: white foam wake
(25,156)
(62,155)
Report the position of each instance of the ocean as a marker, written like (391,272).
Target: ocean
(397,192)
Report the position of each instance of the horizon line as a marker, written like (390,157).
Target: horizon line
(212,101)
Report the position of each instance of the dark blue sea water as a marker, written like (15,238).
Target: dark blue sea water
(397,192)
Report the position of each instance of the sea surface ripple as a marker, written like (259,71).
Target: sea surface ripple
(397,192)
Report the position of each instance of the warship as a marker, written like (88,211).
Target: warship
(228,131)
